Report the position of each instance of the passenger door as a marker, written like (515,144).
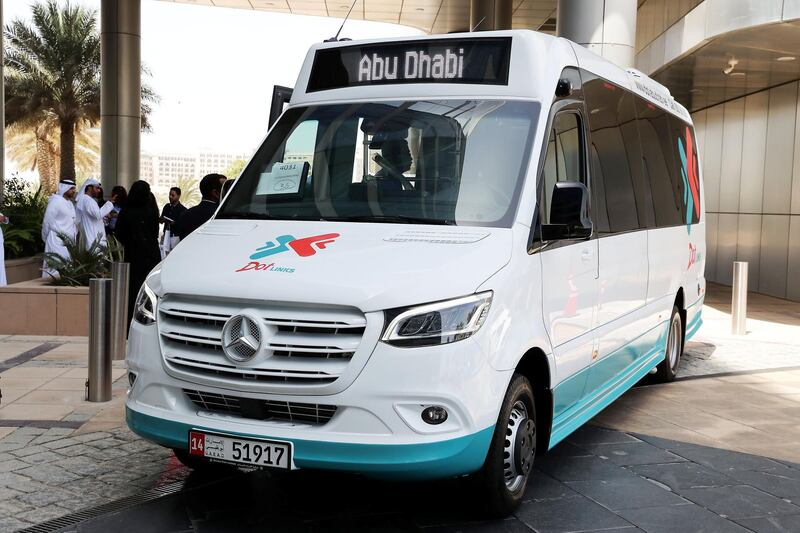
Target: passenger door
(622,216)
(569,267)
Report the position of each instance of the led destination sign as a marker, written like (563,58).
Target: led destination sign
(478,60)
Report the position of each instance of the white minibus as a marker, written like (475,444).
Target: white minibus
(448,254)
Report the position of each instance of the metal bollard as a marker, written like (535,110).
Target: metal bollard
(99,383)
(739,299)
(120,274)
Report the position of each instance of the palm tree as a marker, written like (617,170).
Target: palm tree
(190,191)
(35,146)
(52,75)
(234,169)
(31,148)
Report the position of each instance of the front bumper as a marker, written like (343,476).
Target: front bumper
(440,459)
(376,430)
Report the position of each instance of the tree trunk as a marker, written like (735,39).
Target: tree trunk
(45,164)
(67,149)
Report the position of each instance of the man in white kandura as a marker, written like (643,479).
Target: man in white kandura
(58,218)
(90,215)
(3,280)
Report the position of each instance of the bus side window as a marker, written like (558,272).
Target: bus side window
(659,163)
(615,160)
(686,179)
(563,160)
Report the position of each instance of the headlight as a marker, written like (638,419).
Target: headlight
(438,323)
(144,312)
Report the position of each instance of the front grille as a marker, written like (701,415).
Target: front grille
(306,413)
(321,354)
(302,346)
(266,375)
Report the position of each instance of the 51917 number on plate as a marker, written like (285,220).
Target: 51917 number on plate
(232,449)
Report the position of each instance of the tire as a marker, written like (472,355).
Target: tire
(203,466)
(503,479)
(668,368)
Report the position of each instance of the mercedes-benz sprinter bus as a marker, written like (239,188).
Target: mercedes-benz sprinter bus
(448,254)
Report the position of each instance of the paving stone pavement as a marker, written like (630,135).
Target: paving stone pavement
(597,480)
(772,339)
(702,358)
(47,473)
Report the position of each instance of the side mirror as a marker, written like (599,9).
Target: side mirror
(569,213)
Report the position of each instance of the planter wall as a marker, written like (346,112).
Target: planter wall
(33,308)
(25,269)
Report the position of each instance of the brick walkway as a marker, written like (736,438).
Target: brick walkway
(47,473)
(772,341)
(597,480)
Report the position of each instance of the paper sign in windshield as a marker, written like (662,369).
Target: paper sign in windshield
(283,179)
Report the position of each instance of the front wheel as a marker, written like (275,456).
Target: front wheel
(505,473)
(668,368)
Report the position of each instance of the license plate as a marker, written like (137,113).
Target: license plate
(261,453)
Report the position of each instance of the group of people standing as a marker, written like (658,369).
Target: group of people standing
(131,216)
(69,213)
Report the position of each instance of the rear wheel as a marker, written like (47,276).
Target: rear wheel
(505,473)
(668,368)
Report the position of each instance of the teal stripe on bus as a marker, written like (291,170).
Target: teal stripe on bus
(635,359)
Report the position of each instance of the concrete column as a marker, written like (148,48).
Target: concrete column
(2,112)
(487,15)
(120,105)
(606,27)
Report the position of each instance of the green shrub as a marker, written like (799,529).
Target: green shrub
(24,206)
(83,264)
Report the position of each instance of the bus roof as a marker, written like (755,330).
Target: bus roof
(498,64)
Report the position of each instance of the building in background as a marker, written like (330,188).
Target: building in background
(735,65)
(163,169)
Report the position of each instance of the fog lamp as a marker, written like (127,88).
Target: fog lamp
(434,415)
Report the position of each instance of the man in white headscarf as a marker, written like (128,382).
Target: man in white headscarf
(59,217)
(90,215)
(3,280)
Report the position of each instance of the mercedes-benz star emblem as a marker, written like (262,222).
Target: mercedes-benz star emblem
(241,338)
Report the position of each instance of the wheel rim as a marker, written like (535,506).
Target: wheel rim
(674,342)
(520,446)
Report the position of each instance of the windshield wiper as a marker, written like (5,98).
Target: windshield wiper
(400,219)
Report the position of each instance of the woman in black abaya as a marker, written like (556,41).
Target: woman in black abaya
(137,230)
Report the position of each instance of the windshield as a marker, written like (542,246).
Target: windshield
(430,162)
